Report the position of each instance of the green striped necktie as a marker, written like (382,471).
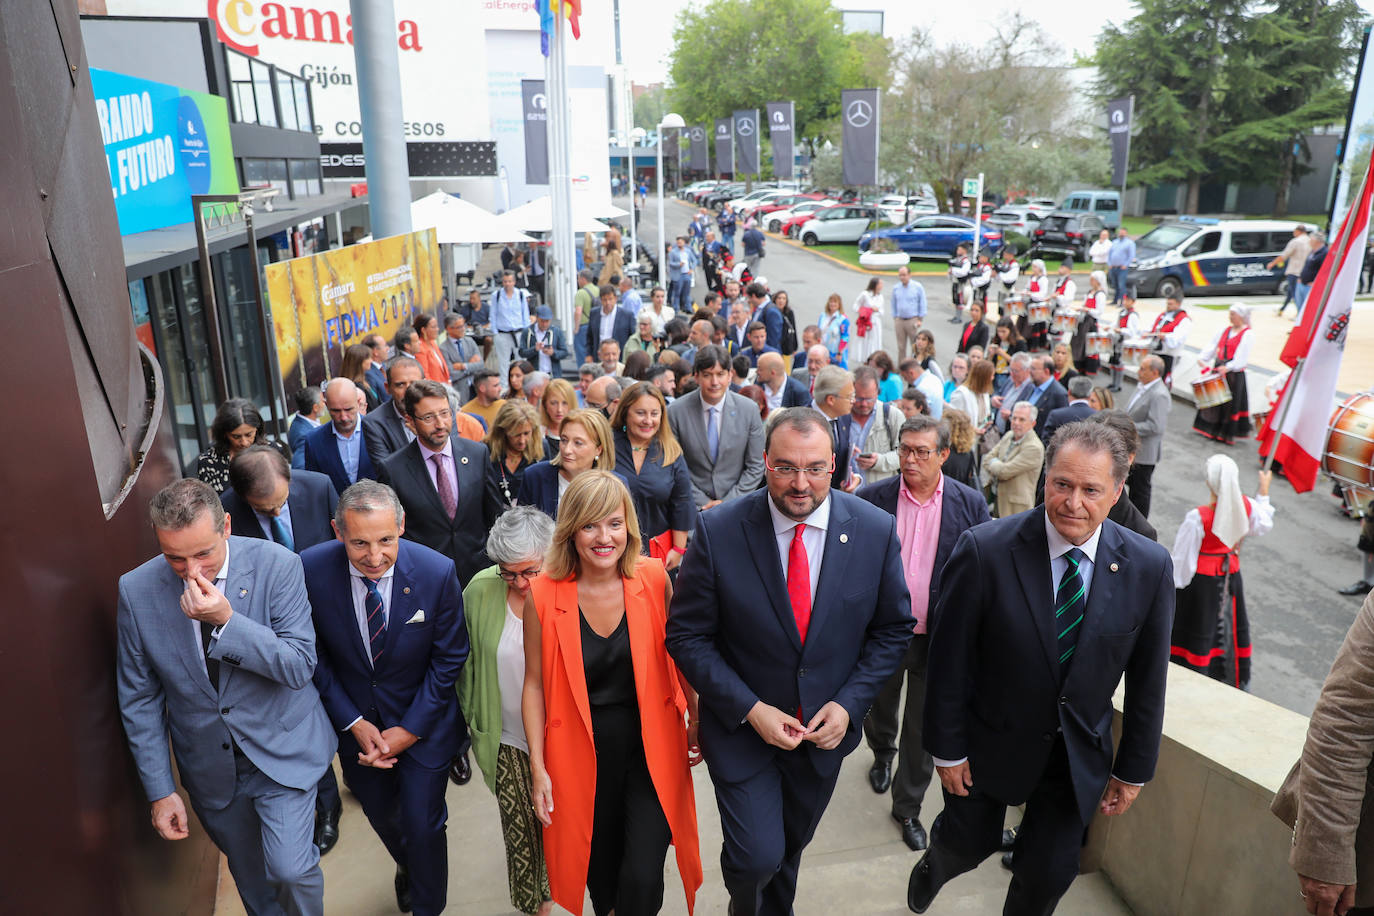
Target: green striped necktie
(1070,601)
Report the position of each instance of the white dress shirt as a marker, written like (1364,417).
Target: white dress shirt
(359,583)
(214,634)
(813,539)
(1140,391)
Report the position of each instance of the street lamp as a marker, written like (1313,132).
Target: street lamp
(671,121)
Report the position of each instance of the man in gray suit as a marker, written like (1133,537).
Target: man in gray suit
(216,646)
(817,358)
(1149,409)
(721,433)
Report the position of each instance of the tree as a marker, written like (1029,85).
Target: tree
(734,54)
(955,110)
(650,107)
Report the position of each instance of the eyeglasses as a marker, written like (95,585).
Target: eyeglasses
(815,471)
(526,574)
(437,415)
(923,453)
(858,400)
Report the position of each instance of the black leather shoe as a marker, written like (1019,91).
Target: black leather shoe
(402,889)
(1359,588)
(327,829)
(913,834)
(1008,838)
(880,776)
(460,772)
(1007,859)
(921,888)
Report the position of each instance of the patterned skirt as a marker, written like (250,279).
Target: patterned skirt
(1211,632)
(521,830)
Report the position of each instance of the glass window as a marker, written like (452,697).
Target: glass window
(197,340)
(1278,241)
(179,373)
(143,322)
(262,94)
(1107,204)
(241,320)
(241,92)
(287,98)
(1205,243)
(1248,242)
(305,177)
(304,117)
(266,171)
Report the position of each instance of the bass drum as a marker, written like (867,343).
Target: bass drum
(1349,453)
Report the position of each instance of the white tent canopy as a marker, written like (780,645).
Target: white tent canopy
(537,215)
(458,221)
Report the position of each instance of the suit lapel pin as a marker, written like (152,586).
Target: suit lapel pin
(406,590)
(465,459)
(243,593)
(844,539)
(1114,567)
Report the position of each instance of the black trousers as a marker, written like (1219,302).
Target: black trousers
(630,833)
(1138,486)
(1048,841)
(405,806)
(327,792)
(914,765)
(768,820)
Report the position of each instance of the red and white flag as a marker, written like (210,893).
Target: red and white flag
(1297,425)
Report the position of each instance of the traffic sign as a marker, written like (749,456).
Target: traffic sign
(971,187)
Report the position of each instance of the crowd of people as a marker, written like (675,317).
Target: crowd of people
(588,585)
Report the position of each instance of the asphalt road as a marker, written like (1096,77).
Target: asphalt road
(1297,619)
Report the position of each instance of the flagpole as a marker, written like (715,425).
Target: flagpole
(1290,386)
(560,184)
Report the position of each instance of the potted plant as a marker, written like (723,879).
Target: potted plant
(883,254)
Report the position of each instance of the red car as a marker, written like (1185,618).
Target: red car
(783,203)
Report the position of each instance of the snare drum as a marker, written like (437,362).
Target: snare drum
(1134,350)
(1015,305)
(1099,345)
(1349,453)
(1066,322)
(1039,312)
(1211,391)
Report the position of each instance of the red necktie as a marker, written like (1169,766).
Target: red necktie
(799,582)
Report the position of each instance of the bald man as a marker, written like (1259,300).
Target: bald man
(817,358)
(603,394)
(339,447)
(779,388)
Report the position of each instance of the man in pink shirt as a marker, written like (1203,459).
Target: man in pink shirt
(932,510)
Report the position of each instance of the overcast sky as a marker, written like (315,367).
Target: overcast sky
(647,27)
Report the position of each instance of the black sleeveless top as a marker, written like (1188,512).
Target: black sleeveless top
(608,666)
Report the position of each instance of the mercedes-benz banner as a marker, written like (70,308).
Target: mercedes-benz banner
(859,139)
(781,120)
(725,148)
(747,141)
(535,106)
(700,160)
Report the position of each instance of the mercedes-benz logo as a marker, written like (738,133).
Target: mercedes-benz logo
(538,101)
(745,127)
(859,113)
(1118,116)
(698,134)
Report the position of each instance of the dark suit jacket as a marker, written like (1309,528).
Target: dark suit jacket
(739,645)
(1054,398)
(995,692)
(539,487)
(412,682)
(295,438)
(974,335)
(1125,514)
(795,394)
(1070,413)
(310,500)
(322,454)
(771,316)
(463,538)
(529,351)
(961,508)
(624,326)
(376,377)
(386,433)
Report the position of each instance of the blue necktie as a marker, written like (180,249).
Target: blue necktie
(281,535)
(1070,601)
(376,620)
(713,433)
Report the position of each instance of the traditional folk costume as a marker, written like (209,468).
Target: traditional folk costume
(1093,304)
(1007,272)
(981,281)
(1211,628)
(1229,352)
(1127,327)
(959,269)
(1037,335)
(1172,326)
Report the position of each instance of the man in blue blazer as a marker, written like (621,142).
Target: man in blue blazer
(1078,408)
(216,652)
(789,657)
(781,389)
(1039,616)
(339,448)
(265,500)
(622,322)
(389,623)
(309,407)
(931,511)
(1046,394)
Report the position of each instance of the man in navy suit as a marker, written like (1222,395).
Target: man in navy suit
(1039,616)
(931,510)
(762,309)
(1046,394)
(781,389)
(309,406)
(622,323)
(391,641)
(339,448)
(789,657)
(265,500)
(1078,408)
(384,430)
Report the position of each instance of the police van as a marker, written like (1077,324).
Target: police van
(1197,256)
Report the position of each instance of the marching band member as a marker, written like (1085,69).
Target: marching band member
(1007,272)
(1229,353)
(1093,305)
(981,280)
(959,269)
(1171,331)
(1065,290)
(1037,291)
(1127,328)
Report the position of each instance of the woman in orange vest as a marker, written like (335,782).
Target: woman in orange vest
(604,710)
(1211,628)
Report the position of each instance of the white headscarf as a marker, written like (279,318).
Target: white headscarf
(1242,310)
(1100,277)
(1230,523)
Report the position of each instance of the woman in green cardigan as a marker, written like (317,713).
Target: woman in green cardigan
(489,691)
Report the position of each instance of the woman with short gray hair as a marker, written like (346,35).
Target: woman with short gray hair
(489,691)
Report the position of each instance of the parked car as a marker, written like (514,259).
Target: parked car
(1042,206)
(686,191)
(774,204)
(841,223)
(1105,205)
(788,222)
(706,187)
(756,196)
(1065,232)
(1014,217)
(718,198)
(1194,256)
(934,236)
(899,210)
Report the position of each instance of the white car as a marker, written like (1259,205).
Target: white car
(1018,218)
(843,223)
(755,197)
(1042,206)
(775,220)
(898,210)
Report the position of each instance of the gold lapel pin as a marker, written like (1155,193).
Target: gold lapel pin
(1114,567)
(844,539)
(406,590)
(243,593)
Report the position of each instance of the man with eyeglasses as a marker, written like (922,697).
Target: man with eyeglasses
(833,397)
(791,611)
(931,511)
(873,428)
(441,481)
